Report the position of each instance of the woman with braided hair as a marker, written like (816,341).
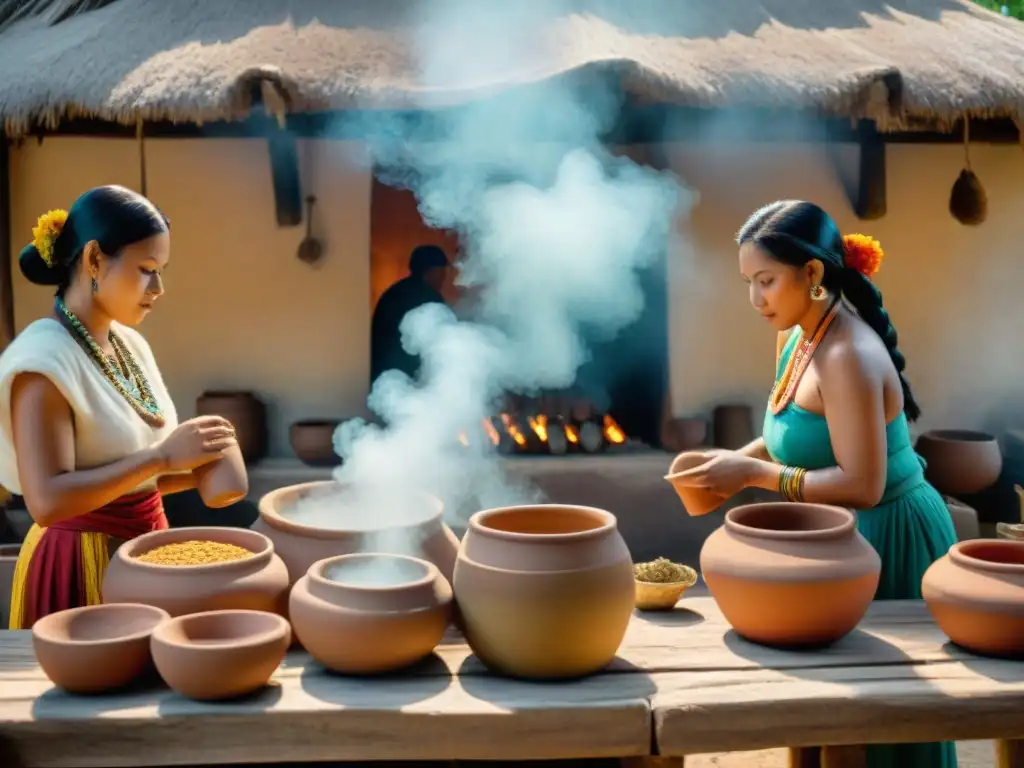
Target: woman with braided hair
(836,428)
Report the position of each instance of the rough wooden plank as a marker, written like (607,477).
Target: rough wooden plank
(1010,753)
(311,715)
(695,636)
(695,713)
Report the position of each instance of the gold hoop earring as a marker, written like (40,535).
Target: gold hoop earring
(818,293)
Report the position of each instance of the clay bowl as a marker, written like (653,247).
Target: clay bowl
(696,501)
(259,582)
(96,648)
(220,654)
(960,462)
(370,613)
(975,593)
(663,596)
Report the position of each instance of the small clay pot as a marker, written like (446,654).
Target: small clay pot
(313,442)
(790,575)
(975,593)
(370,613)
(96,648)
(660,595)
(544,591)
(403,524)
(220,654)
(223,482)
(247,414)
(696,501)
(960,462)
(259,582)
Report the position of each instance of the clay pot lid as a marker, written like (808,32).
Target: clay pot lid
(791,521)
(216,631)
(555,518)
(269,503)
(97,625)
(991,555)
(260,545)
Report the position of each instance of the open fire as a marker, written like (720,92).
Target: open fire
(545,426)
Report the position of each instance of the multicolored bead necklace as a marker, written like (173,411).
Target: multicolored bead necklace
(126,376)
(785,388)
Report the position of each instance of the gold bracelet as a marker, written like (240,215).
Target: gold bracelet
(791,483)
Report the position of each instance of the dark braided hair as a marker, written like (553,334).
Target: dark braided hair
(794,232)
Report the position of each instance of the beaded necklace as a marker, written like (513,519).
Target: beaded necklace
(785,388)
(126,376)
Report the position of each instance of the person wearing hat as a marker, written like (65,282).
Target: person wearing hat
(428,266)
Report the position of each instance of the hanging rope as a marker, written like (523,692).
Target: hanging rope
(141,139)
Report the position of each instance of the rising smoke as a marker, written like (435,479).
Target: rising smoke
(554,229)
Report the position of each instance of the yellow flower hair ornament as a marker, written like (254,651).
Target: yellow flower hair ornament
(46,231)
(862,253)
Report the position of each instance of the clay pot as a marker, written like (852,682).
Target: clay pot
(544,591)
(732,426)
(220,654)
(975,593)
(246,412)
(96,648)
(223,482)
(313,442)
(8,562)
(311,521)
(696,501)
(965,519)
(960,462)
(257,583)
(370,613)
(790,575)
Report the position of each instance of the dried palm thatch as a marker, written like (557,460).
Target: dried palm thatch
(899,63)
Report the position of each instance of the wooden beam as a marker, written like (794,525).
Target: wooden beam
(6,265)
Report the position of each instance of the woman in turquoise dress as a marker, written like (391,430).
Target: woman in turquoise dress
(836,428)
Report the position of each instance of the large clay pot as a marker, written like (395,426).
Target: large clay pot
(960,462)
(544,591)
(696,501)
(246,412)
(258,583)
(790,575)
(313,442)
(975,593)
(311,521)
(732,426)
(370,613)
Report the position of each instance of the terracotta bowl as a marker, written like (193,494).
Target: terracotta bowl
(96,648)
(960,462)
(696,501)
(662,596)
(220,654)
(371,613)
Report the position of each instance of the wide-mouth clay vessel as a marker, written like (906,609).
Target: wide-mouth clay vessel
(544,591)
(696,501)
(370,613)
(960,462)
(220,654)
(311,521)
(96,648)
(255,582)
(790,575)
(975,593)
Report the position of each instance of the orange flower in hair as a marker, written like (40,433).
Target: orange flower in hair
(863,253)
(46,231)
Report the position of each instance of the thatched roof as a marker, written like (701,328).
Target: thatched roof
(896,62)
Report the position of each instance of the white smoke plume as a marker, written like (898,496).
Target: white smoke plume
(554,228)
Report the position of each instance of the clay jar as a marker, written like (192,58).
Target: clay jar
(311,521)
(696,501)
(223,482)
(259,582)
(976,595)
(544,591)
(960,462)
(370,613)
(790,575)
(313,442)
(247,414)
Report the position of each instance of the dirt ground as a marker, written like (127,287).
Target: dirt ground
(970,754)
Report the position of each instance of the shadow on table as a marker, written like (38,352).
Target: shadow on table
(676,617)
(998,669)
(858,649)
(424,681)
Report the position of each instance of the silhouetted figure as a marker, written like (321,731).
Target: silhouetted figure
(427,267)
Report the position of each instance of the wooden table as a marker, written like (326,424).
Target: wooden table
(683,684)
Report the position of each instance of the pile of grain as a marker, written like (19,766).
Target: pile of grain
(193,553)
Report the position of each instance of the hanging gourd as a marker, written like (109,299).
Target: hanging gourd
(968,202)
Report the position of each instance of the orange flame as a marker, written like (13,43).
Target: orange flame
(571,434)
(463,439)
(539,425)
(612,431)
(492,433)
(513,430)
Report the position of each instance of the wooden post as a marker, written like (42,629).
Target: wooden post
(1010,753)
(6,278)
(850,756)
